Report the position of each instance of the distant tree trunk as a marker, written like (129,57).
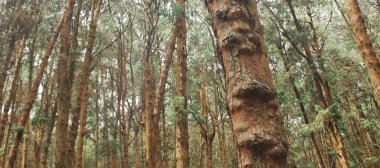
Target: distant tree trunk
(85,79)
(165,144)
(64,90)
(222,145)
(25,148)
(160,93)
(12,38)
(136,148)
(285,60)
(181,122)
(250,92)
(106,146)
(325,99)
(365,45)
(32,96)
(39,137)
(75,111)
(13,90)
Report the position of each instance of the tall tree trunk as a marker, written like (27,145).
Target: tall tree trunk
(49,134)
(85,79)
(64,92)
(365,45)
(181,122)
(136,148)
(73,132)
(150,129)
(13,90)
(13,35)
(39,137)
(32,96)
(25,148)
(250,92)
(285,60)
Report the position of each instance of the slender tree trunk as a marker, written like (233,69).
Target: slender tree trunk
(250,92)
(49,134)
(85,79)
(365,45)
(38,142)
(300,102)
(25,148)
(32,96)
(324,97)
(12,91)
(150,128)
(136,148)
(222,145)
(181,124)
(12,38)
(64,92)
(73,132)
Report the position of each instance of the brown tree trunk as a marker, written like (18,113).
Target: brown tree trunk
(75,111)
(136,148)
(32,96)
(181,123)
(13,90)
(64,90)
(25,148)
(365,45)
(250,92)
(150,127)
(12,38)
(85,79)
(39,137)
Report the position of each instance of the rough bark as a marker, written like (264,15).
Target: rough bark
(250,91)
(365,45)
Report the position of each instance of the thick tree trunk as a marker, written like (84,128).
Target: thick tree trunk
(181,123)
(250,92)
(85,79)
(365,45)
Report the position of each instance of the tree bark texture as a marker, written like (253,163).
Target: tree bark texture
(250,92)
(365,45)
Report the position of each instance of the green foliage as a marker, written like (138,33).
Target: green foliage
(178,104)
(372,160)
(179,10)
